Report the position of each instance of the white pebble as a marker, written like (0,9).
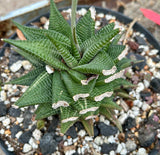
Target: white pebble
(27,148)
(140,87)
(123,152)
(2,118)
(18,134)
(79,150)
(119,148)
(145,106)
(98,140)
(33,143)
(26,65)
(37,134)
(2,131)
(16,66)
(82,12)
(102,118)
(107,122)
(75,140)
(111,139)
(6,122)
(97,24)
(122,118)
(130,145)
(144,47)
(111,153)
(20,119)
(93,12)
(153,52)
(11,149)
(87,138)
(3,95)
(4,75)
(70,152)
(65,143)
(101,15)
(142,151)
(82,133)
(69,141)
(146,83)
(46,25)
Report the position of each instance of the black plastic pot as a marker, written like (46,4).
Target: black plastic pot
(122,18)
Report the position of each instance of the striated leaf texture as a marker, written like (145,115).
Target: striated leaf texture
(85,27)
(37,48)
(45,110)
(95,48)
(39,92)
(57,22)
(28,79)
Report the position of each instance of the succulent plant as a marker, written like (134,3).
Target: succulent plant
(77,71)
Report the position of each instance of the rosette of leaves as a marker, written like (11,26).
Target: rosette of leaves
(86,69)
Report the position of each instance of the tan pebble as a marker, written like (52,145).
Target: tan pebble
(6,71)
(7,132)
(38,142)
(152,146)
(43,20)
(121,137)
(136,134)
(112,21)
(133,129)
(137,126)
(97,119)
(16,122)
(146,67)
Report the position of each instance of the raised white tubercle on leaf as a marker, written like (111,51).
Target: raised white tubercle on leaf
(115,76)
(110,71)
(60,104)
(69,119)
(85,82)
(49,69)
(102,96)
(123,54)
(88,110)
(90,117)
(76,97)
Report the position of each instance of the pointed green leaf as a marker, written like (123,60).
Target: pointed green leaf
(75,89)
(98,36)
(39,92)
(111,116)
(115,50)
(68,117)
(76,76)
(86,27)
(57,22)
(101,64)
(45,110)
(84,106)
(66,55)
(99,44)
(60,95)
(28,79)
(88,124)
(106,29)
(31,58)
(110,104)
(36,34)
(37,48)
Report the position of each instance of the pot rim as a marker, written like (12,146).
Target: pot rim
(119,16)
